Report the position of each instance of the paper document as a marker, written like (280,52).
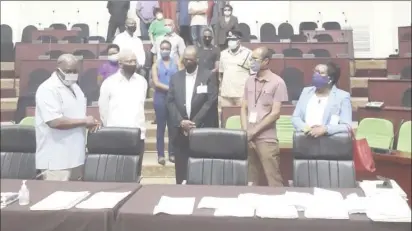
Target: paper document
(370,189)
(388,207)
(214,202)
(300,200)
(103,200)
(60,200)
(8,198)
(235,209)
(326,204)
(356,204)
(276,206)
(175,205)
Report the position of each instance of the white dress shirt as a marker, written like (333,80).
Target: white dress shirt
(59,149)
(315,110)
(121,102)
(190,85)
(198,20)
(133,43)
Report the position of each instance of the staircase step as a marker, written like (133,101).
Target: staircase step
(362,82)
(370,64)
(7,115)
(9,103)
(150,167)
(8,93)
(158,180)
(9,83)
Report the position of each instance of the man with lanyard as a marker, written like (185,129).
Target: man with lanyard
(209,54)
(234,70)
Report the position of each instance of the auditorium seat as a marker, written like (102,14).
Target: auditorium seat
(285,30)
(307,26)
(85,53)
(73,39)
(58,26)
(18,152)
(323,38)
(320,53)
(324,162)
(294,80)
(406,98)
(298,38)
(404,137)
(89,86)
(47,39)
(245,30)
(99,39)
(27,33)
(406,72)
(6,33)
(331,26)
(84,30)
(268,33)
(36,78)
(292,52)
(253,37)
(28,121)
(233,122)
(54,54)
(285,129)
(113,155)
(217,157)
(7,52)
(378,132)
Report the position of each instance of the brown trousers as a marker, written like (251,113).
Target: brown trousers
(264,164)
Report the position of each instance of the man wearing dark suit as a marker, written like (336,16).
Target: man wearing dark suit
(118,14)
(225,23)
(192,103)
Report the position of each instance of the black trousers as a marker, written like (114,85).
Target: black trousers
(181,159)
(186,34)
(111,30)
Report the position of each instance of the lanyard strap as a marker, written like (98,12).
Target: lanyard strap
(260,93)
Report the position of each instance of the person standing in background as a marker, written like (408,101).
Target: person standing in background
(226,23)
(197,11)
(118,14)
(209,54)
(217,12)
(111,66)
(157,27)
(169,9)
(178,45)
(183,19)
(144,10)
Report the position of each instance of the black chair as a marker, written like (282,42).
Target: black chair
(307,26)
(320,53)
(331,26)
(298,38)
(73,39)
(54,54)
(406,99)
(113,155)
(58,26)
(217,157)
(253,37)
(18,152)
(245,30)
(7,52)
(6,33)
(285,30)
(394,56)
(84,30)
(324,162)
(85,53)
(23,102)
(323,38)
(47,39)
(99,39)
(292,52)
(88,84)
(294,80)
(27,33)
(268,33)
(37,77)
(406,72)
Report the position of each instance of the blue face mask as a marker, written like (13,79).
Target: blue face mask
(255,66)
(165,53)
(319,81)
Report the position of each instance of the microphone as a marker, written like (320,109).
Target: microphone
(78,15)
(345,18)
(257,29)
(320,19)
(53,19)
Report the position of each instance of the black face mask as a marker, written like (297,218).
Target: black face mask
(207,40)
(190,67)
(129,69)
(131,29)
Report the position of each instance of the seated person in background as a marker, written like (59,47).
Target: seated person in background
(111,66)
(157,27)
(323,109)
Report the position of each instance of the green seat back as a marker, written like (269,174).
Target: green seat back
(284,129)
(233,122)
(404,137)
(30,121)
(378,132)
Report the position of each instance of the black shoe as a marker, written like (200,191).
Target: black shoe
(161,160)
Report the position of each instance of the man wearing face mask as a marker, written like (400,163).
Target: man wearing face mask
(122,96)
(118,14)
(126,41)
(144,10)
(264,93)
(234,70)
(111,66)
(192,102)
(227,22)
(61,123)
(177,42)
(208,53)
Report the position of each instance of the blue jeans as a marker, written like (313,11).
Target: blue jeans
(196,32)
(144,29)
(162,120)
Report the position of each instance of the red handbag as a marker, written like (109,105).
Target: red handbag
(362,154)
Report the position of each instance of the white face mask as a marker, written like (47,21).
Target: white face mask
(227,13)
(159,16)
(232,44)
(113,58)
(69,79)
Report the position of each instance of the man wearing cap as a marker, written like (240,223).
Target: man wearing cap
(234,70)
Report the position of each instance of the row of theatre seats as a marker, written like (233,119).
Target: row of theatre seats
(113,156)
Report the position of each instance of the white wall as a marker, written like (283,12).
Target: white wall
(374,22)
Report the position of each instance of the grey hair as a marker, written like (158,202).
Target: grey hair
(126,55)
(66,58)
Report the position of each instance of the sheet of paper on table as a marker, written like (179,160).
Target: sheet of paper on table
(60,200)
(388,207)
(300,200)
(370,189)
(276,207)
(235,209)
(103,200)
(175,205)
(356,204)
(8,198)
(326,204)
(214,202)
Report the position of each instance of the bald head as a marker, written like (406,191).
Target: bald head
(127,56)
(68,63)
(261,53)
(130,22)
(190,51)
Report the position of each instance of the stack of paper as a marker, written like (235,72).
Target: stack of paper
(235,209)
(327,204)
(8,198)
(388,207)
(355,204)
(214,202)
(300,200)
(370,189)
(276,207)
(103,200)
(175,205)
(60,200)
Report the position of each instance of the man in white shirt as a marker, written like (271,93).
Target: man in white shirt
(178,44)
(122,96)
(60,122)
(126,41)
(197,11)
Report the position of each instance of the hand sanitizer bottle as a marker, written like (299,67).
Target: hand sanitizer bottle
(24,195)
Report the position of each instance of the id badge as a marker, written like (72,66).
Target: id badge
(202,89)
(253,117)
(334,120)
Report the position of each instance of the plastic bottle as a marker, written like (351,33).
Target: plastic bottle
(24,194)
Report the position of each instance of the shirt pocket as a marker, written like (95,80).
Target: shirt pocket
(267,99)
